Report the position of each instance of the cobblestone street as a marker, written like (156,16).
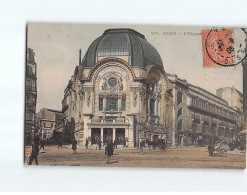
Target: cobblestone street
(189,157)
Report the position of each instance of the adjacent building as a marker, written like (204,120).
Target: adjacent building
(233,97)
(120,91)
(200,117)
(47,121)
(30,96)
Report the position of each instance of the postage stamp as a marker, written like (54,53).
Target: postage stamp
(222,48)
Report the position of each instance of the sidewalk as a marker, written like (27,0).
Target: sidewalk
(237,152)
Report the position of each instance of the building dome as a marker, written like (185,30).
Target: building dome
(124,43)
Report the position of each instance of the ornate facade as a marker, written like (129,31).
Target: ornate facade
(119,91)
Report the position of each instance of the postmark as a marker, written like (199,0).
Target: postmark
(223,47)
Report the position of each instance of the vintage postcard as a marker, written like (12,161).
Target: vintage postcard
(135,96)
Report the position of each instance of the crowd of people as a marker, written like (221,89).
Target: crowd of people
(37,145)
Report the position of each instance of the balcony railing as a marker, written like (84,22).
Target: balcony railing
(30,88)
(212,110)
(108,120)
(30,106)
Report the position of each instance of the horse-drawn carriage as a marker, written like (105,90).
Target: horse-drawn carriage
(218,149)
(160,143)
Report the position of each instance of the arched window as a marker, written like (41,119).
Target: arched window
(111,104)
(179,98)
(179,112)
(152,103)
(123,104)
(180,125)
(100,104)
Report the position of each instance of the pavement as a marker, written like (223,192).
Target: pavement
(186,157)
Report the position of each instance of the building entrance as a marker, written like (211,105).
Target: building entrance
(107,135)
(156,137)
(120,136)
(95,135)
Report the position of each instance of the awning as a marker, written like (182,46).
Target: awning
(242,132)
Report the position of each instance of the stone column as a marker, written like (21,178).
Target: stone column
(130,131)
(182,140)
(174,107)
(156,107)
(101,134)
(113,134)
(119,107)
(87,129)
(89,133)
(148,105)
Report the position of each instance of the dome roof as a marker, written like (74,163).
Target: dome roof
(122,42)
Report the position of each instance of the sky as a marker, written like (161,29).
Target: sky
(56,48)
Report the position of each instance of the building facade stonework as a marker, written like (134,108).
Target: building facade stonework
(200,117)
(120,91)
(30,96)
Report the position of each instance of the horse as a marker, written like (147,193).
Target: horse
(218,150)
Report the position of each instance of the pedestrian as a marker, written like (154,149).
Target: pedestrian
(86,143)
(37,139)
(34,153)
(141,147)
(109,152)
(124,143)
(60,144)
(42,144)
(115,144)
(99,144)
(74,147)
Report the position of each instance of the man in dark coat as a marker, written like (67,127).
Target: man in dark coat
(86,143)
(60,144)
(74,147)
(124,143)
(34,153)
(99,144)
(42,144)
(109,152)
(115,144)
(141,147)
(37,140)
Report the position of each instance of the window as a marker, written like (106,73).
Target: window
(44,124)
(179,127)
(29,116)
(179,98)
(152,102)
(30,85)
(179,113)
(112,82)
(123,104)
(111,104)
(100,104)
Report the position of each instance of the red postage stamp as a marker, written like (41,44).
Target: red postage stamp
(218,47)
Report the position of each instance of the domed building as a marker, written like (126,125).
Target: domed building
(119,91)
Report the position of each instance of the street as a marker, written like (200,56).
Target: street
(184,157)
